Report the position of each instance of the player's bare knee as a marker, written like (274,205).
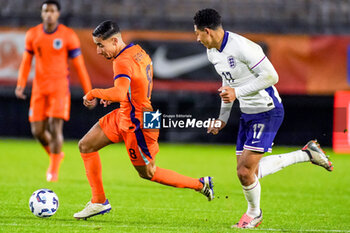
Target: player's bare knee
(57,138)
(55,133)
(37,132)
(84,146)
(243,173)
(55,127)
(146,174)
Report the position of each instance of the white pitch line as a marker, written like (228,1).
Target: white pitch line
(96,226)
(162,227)
(29,225)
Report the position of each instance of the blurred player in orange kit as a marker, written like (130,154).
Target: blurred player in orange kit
(52,44)
(133,75)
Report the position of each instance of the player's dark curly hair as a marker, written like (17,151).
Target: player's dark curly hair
(106,29)
(207,18)
(58,5)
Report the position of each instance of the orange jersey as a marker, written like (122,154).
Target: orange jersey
(135,64)
(51,51)
(133,74)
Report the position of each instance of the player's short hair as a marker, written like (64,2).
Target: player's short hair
(106,29)
(207,18)
(58,5)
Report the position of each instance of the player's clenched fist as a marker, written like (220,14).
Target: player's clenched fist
(214,128)
(90,104)
(227,94)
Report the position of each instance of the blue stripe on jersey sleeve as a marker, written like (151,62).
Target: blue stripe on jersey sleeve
(74,53)
(258,63)
(122,75)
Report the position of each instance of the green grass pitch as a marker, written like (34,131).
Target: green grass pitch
(300,198)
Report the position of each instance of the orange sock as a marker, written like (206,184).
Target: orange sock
(47,149)
(171,178)
(93,170)
(55,162)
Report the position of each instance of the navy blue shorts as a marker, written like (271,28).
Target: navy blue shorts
(257,131)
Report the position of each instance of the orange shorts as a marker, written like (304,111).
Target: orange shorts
(141,145)
(55,104)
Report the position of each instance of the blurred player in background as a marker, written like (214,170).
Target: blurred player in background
(52,44)
(248,75)
(133,74)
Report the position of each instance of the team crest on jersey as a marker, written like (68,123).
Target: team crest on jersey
(57,44)
(231,61)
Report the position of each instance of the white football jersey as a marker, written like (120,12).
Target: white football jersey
(243,66)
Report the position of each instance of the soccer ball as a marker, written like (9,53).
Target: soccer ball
(43,203)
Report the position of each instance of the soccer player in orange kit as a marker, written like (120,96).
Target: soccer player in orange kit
(132,88)
(52,44)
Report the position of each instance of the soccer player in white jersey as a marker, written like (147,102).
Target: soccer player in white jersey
(248,75)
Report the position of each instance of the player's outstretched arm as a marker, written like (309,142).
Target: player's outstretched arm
(23,73)
(117,93)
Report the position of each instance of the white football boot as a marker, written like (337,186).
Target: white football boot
(248,222)
(93,209)
(317,155)
(207,189)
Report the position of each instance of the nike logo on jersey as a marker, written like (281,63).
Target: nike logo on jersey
(168,69)
(254,142)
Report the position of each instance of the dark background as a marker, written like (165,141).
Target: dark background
(306,117)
